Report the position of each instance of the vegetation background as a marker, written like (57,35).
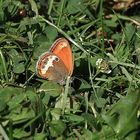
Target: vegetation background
(103,101)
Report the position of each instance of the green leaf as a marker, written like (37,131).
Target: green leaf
(123,113)
(130,31)
(51,33)
(1,12)
(101,102)
(14,55)
(87,135)
(127,74)
(50,88)
(16,100)
(122,52)
(74,118)
(19,68)
(57,128)
(31,95)
(111,22)
(56,113)
(34,6)
(74,6)
(19,116)
(3,67)
(19,133)
(90,119)
(2,105)
(84,85)
(46,99)
(43,45)
(40,136)
(106,133)
(6,93)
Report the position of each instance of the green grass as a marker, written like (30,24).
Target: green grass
(102,102)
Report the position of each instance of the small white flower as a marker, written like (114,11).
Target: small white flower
(103,66)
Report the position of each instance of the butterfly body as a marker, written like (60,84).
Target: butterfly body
(56,64)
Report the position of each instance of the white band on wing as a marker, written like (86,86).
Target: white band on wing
(49,63)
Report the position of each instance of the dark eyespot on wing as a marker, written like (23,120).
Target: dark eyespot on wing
(44,63)
(43,66)
(56,59)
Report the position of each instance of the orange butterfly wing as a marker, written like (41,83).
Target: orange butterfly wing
(61,48)
(51,67)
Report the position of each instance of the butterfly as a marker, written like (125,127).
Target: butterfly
(56,64)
